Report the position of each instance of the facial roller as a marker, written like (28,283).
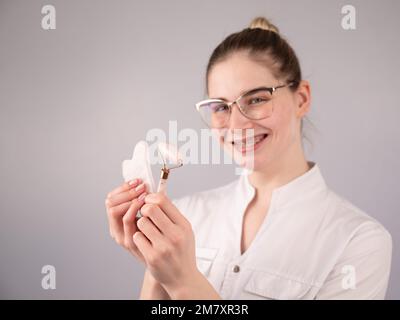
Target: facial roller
(169,154)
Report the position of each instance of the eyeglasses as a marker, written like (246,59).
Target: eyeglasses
(255,104)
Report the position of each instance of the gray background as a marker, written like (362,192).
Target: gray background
(75,100)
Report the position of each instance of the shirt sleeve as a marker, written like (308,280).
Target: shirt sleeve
(362,272)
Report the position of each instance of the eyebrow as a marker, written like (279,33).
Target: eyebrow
(241,93)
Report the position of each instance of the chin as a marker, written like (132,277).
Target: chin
(256,164)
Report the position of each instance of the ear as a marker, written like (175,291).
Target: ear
(303,99)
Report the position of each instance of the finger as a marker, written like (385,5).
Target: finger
(115,215)
(126,196)
(143,244)
(150,230)
(124,187)
(167,207)
(129,223)
(159,219)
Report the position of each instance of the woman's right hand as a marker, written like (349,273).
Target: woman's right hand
(122,205)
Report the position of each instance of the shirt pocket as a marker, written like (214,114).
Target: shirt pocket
(264,285)
(205,258)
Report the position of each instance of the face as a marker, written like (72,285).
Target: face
(276,137)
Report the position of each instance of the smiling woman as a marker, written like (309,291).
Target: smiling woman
(278,231)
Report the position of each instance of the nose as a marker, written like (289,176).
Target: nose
(237,120)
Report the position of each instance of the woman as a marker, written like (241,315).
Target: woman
(277,232)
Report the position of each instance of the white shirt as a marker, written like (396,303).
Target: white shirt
(313,244)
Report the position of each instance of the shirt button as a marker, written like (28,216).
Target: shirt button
(236,269)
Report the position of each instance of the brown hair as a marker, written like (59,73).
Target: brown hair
(263,43)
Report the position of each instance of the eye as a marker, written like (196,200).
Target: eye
(257,100)
(219,107)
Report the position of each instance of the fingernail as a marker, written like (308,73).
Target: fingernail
(140,187)
(133,182)
(142,196)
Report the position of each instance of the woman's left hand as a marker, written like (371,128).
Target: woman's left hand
(167,242)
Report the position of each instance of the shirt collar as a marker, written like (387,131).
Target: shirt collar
(295,190)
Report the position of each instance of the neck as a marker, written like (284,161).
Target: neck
(279,172)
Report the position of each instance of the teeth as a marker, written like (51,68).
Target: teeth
(258,138)
(250,142)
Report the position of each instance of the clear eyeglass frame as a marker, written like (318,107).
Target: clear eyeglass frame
(229,105)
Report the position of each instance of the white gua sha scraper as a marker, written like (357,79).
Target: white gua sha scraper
(139,166)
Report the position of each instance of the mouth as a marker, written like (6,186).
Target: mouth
(249,144)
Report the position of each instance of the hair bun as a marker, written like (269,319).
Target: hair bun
(263,23)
